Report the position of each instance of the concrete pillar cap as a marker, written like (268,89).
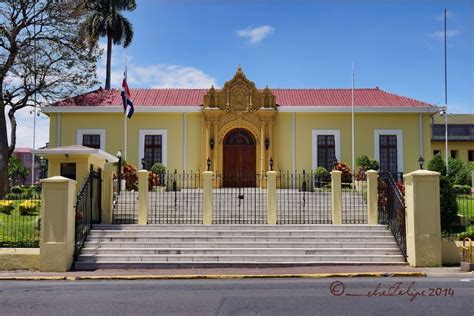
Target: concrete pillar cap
(422,173)
(57,179)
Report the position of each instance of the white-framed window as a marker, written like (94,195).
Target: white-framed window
(326,146)
(91,137)
(388,145)
(152,146)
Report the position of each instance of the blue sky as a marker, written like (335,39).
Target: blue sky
(396,45)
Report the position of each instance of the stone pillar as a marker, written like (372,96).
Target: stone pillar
(472,179)
(108,194)
(215,152)
(372,197)
(336,195)
(206,142)
(262,149)
(270,137)
(58,220)
(271,198)
(207,198)
(423,219)
(142,197)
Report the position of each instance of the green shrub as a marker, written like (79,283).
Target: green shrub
(29,207)
(462,189)
(321,172)
(366,163)
(448,204)
(16,190)
(459,171)
(158,169)
(6,207)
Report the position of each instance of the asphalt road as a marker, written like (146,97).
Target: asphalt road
(344,296)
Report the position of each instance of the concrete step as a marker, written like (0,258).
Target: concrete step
(242,251)
(196,245)
(213,244)
(229,258)
(174,238)
(193,227)
(237,233)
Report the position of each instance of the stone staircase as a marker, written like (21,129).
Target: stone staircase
(172,246)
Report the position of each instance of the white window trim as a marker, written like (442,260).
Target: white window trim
(396,132)
(141,144)
(91,131)
(337,140)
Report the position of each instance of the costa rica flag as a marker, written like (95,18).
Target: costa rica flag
(126,96)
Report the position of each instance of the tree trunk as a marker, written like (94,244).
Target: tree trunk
(109,62)
(3,154)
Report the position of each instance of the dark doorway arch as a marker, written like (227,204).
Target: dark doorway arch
(240,161)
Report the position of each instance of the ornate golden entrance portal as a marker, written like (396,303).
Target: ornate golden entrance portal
(238,106)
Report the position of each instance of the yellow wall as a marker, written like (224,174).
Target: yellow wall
(461,147)
(113,123)
(366,123)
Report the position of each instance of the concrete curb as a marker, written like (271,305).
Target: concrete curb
(213,276)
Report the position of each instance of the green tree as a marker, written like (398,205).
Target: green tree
(42,60)
(106,20)
(16,170)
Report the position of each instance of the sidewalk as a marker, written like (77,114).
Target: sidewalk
(221,273)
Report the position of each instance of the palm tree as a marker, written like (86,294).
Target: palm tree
(104,18)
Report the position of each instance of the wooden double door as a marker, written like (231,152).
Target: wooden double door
(239,159)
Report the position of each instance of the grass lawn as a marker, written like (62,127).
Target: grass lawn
(18,230)
(466,206)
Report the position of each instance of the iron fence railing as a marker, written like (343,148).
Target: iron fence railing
(354,201)
(465,204)
(20,218)
(178,200)
(88,208)
(125,207)
(239,199)
(303,198)
(391,208)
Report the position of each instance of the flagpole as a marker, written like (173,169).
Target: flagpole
(446,93)
(125,129)
(353,127)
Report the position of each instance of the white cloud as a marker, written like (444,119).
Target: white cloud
(449,33)
(153,75)
(256,34)
(449,15)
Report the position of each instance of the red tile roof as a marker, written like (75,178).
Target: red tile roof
(373,97)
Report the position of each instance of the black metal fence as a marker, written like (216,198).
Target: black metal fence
(125,207)
(20,218)
(178,200)
(391,208)
(465,204)
(239,199)
(88,208)
(354,202)
(303,198)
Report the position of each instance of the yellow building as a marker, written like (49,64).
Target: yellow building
(460,136)
(240,128)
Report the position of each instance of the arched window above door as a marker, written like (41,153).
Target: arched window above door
(239,136)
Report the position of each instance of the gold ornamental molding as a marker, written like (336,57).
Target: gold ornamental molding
(239,95)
